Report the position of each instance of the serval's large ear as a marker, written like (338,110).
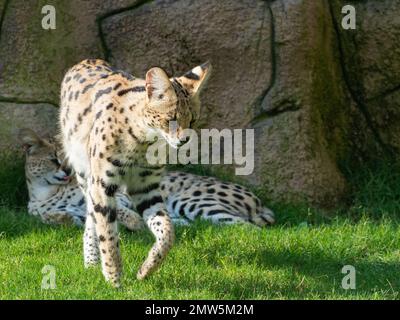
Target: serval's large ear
(194,80)
(29,140)
(160,92)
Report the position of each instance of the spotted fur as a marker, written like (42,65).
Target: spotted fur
(54,195)
(186,196)
(108,119)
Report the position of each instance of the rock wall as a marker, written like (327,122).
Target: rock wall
(317,95)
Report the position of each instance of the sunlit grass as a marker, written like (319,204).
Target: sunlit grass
(301,257)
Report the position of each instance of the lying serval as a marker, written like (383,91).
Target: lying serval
(54,195)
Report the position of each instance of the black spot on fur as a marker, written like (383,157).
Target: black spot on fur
(133,89)
(224,201)
(191,75)
(182,209)
(214,212)
(198,213)
(142,206)
(111,213)
(87,88)
(87,110)
(132,135)
(110,190)
(81,202)
(174,204)
(238,196)
(205,205)
(117,163)
(101,92)
(145,173)
(109,174)
(98,114)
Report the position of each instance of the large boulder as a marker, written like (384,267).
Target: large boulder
(34,60)
(304,117)
(272,70)
(178,35)
(370,55)
(40,117)
(315,94)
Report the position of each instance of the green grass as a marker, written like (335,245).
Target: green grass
(299,258)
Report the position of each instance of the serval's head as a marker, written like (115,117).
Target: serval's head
(43,169)
(173,104)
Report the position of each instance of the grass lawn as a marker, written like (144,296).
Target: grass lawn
(299,258)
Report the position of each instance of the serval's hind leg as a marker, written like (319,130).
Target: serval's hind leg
(91,253)
(160,224)
(104,214)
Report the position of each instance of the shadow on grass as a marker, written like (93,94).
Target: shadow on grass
(13,192)
(287,275)
(326,269)
(292,275)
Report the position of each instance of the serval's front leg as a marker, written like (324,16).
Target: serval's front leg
(104,214)
(160,224)
(126,215)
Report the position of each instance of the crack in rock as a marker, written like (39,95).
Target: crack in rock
(3,14)
(259,101)
(106,50)
(357,98)
(22,101)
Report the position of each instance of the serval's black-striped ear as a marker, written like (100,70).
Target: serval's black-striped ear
(160,92)
(29,140)
(194,80)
